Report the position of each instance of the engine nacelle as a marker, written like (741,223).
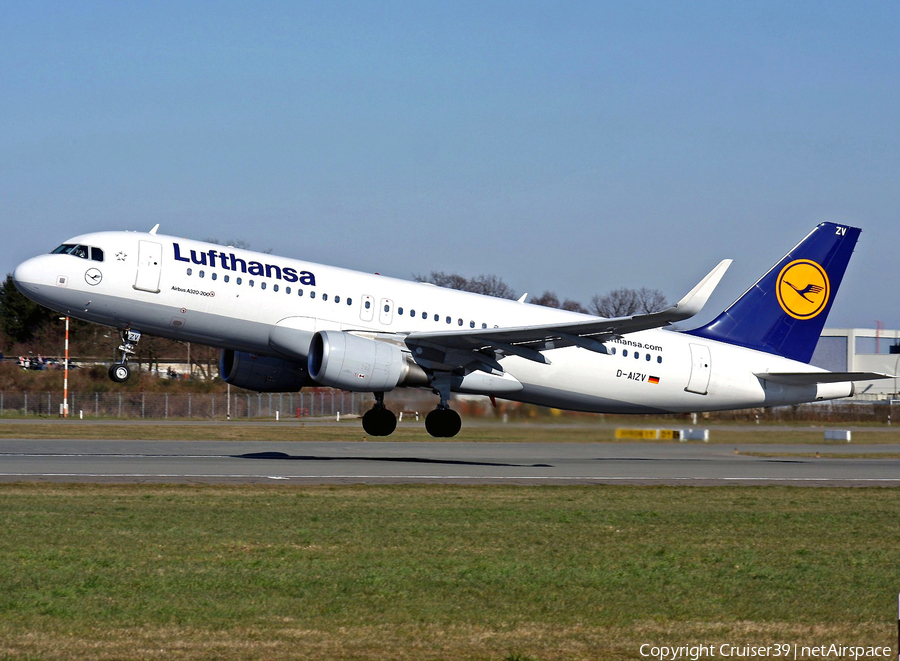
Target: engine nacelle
(350,362)
(261,373)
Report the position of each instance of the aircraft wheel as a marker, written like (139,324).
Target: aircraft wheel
(379,422)
(443,423)
(388,422)
(119,372)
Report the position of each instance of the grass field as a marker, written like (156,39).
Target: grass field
(351,430)
(413,572)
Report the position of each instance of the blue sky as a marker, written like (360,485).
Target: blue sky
(576,147)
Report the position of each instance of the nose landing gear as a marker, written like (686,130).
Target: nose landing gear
(120,372)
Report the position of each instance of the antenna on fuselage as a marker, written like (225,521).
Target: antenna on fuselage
(155,227)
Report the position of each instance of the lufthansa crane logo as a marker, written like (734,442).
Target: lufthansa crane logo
(93,276)
(803,289)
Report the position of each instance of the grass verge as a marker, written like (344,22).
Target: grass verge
(410,572)
(351,430)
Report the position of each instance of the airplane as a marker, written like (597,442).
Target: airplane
(283,324)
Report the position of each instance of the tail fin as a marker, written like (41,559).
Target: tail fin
(785,311)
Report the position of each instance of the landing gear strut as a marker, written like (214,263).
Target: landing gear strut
(379,420)
(443,422)
(120,372)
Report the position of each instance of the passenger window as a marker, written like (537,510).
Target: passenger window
(337,299)
(387,308)
(448,320)
(659,359)
(471,324)
(368,304)
(399,310)
(637,356)
(226,278)
(96,254)
(287,290)
(324,297)
(648,357)
(412,313)
(240,280)
(484,325)
(625,353)
(201,274)
(613,351)
(312,294)
(349,301)
(250,282)
(424,315)
(262,285)
(213,275)
(460,322)
(437,317)
(274,287)
(190,271)
(299,292)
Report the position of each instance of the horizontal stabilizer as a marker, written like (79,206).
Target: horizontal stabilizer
(812,378)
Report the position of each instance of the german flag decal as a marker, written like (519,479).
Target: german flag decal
(653,379)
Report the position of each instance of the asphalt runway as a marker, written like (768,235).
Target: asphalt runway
(439,463)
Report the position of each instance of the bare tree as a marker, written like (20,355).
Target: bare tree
(551,300)
(625,302)
(573,306)
(491,285)
(235,243)
(548,299)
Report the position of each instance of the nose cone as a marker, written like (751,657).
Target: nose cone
(29,275)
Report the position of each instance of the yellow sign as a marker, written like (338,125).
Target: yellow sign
(648,434)
(803,289)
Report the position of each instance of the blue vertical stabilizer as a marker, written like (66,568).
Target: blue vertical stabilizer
(785,311)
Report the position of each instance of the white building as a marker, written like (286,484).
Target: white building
(862,350)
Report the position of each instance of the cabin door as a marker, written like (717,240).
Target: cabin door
(700,369)
(149,266)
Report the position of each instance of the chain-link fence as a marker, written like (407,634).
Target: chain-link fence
(327,402)
(313,402)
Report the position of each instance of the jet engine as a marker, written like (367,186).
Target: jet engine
(350,362)
(261,373)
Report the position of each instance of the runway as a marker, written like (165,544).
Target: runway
(439,463)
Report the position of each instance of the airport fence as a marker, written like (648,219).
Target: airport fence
(327,402)
(314,402)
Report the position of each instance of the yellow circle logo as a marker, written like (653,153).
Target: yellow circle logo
(803,289)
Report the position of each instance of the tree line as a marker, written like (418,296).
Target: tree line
(622,302)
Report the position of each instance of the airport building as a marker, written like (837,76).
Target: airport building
(862,350)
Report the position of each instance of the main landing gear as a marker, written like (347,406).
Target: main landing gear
(443,422)
(120,372)
(379,420)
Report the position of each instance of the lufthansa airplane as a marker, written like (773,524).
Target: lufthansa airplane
(284,323)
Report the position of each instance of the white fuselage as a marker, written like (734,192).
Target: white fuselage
(232,298)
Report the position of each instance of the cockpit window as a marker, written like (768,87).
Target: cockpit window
(84,252)
(76,250)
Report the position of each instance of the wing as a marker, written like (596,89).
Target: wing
(478,348)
